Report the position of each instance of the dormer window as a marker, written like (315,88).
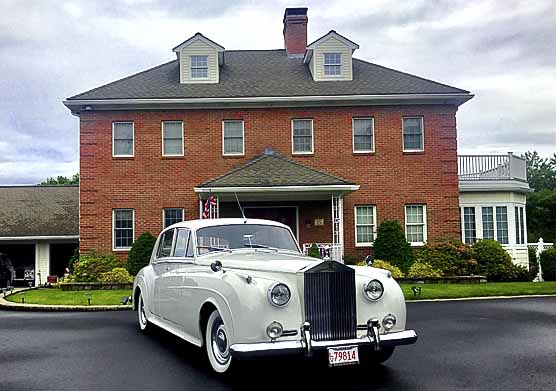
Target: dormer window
(332,64)
(199,67)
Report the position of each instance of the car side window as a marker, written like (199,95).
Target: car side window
(182,240)
(190,247)
(165,245)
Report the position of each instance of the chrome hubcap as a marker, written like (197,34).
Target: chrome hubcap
(219,342)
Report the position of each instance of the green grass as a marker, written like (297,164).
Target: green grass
(59,297)
(450,291)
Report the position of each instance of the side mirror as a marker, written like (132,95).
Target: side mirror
(216,266)
(369,260)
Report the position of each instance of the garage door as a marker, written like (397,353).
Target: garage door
(22,257)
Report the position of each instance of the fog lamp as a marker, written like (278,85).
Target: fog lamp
(388,322)
(274,330)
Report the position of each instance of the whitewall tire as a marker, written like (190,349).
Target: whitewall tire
(217,343)
(144,324)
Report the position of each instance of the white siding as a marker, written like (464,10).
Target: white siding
(199,49)
(331,45)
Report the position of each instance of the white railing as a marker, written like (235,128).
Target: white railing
(539,247)
(491,167)
(326,250)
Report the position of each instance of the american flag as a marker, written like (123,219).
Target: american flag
(211,200)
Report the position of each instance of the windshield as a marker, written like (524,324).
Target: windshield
(241,236)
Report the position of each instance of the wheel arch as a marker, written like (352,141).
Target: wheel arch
(206,309)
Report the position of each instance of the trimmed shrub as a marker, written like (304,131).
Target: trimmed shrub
(533,264)
(548,264)
(314,251)
(423,270)
(352,259)
(390,245)
(118,274)
(449,257)
(396,272)
(140,253)
(496,264)
(90,267)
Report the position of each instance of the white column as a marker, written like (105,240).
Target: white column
(338,225)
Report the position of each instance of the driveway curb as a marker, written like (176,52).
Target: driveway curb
(480,298)
(10,306)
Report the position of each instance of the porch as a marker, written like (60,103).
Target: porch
(273,187)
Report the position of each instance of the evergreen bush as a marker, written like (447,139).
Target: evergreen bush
(548,264)
(390,245)
(140,253)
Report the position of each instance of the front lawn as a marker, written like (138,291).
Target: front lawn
(451,291)
(58,297)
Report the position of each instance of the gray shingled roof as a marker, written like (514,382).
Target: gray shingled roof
(272,169)
(39,211)
(265,73)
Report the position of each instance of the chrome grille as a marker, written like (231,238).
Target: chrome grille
(330,301)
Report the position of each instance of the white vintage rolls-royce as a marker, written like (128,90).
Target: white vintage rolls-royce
(241,288)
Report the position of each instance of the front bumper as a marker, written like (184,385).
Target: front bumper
(299,347)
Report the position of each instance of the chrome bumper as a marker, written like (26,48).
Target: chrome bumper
(276,348)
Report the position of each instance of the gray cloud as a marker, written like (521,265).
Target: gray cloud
(503,51)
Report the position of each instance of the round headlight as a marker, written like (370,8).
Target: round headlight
(274,330)
(374,290)
(279,294)
(388,322)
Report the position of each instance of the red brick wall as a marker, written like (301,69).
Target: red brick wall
(148,182)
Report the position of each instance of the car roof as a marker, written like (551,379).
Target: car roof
(203,223)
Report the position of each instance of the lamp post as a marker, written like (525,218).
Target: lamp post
(89,295)
(22,297)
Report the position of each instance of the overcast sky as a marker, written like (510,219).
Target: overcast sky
(502,51)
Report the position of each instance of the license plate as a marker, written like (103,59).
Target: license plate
(343,356)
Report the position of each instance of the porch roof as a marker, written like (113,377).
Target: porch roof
(273,172)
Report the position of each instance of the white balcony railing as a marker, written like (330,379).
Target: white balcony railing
(491,167)
(326,250)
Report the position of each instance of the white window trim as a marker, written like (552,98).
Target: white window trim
(364,244)
(191,67)
(425,228)
(312,137)
(114,248)
(324,65)
(164,216)
(422,134)
(182,140)
(242,137)
(463,237)
(353,135)
(132,135)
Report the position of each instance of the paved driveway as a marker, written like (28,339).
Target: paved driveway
(488,345)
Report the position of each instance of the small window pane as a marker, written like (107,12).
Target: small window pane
(302,136)
(415,223)
(172,216)
(488,223)
(412,134)
(332,64)
(363,134)
(502,224)
(123,228)
(123,139)
(172,138)
(181,243)
(165,246)
(469,226)
(199,67)
(364,224)
(522,225)
(233,137)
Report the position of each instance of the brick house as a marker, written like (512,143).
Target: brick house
(308,135)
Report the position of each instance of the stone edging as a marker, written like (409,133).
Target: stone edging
(8,305)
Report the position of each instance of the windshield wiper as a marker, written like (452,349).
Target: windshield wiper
(215,248)
(257,245)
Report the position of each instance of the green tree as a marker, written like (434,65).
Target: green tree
(140,253)
(61,180)
(390,245)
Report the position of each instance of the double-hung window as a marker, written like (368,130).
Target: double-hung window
(502,224)
(332,64)
(172,216)
(363,135)
(122,139)
(199,67)
(233,138)
(416,224)
(365,223)
(123,223)
(302,136)
(172,138)
(488,222)
(413,134)
(519,225)
(469,225)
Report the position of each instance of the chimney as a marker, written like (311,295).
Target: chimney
(295,31)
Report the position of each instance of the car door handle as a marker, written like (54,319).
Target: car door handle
(167,267)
